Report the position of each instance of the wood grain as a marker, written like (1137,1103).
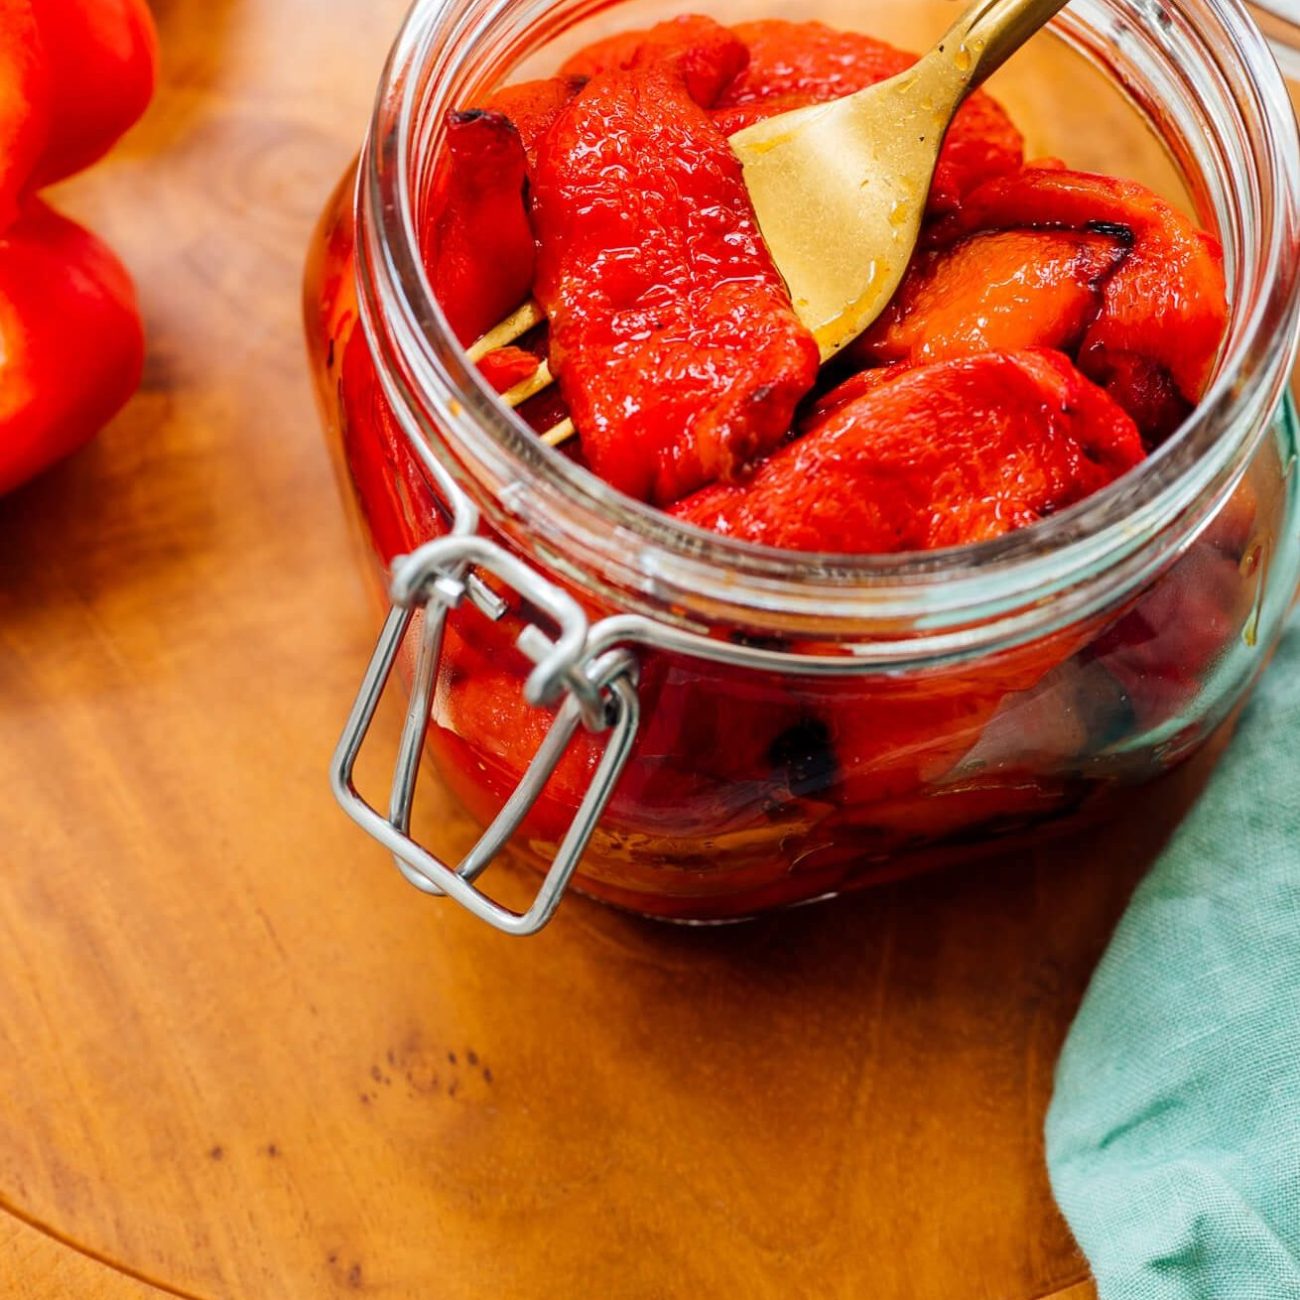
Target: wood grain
(38,1266)
(240,1058)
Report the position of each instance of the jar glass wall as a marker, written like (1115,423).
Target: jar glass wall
(892,713)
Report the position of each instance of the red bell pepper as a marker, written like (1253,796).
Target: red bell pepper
(24,102)
(74,75)
(102,57)
(71,344)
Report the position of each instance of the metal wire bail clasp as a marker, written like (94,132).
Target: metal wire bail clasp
(599,693)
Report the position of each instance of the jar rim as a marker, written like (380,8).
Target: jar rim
(590,532)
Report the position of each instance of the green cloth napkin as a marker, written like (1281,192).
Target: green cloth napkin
(1173,1139)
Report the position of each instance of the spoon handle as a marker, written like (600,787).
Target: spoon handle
(991,31)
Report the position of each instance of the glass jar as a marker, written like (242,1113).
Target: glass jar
(1279,20)
(721,728)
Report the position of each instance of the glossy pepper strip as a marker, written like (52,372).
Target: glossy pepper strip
(531,108)
(961,451)
(1166,305)
(71,345)
(477,240)
(672,335)
(795,64)
(995,292)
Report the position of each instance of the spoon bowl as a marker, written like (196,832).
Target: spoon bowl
(840,188)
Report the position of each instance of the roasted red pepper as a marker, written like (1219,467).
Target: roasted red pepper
(672,334)
(532,107)
(486,734)
(478,243)
(24,103)
(1164,309)
(1045,313)
(674,343)
(808,60)
(1144,389)
(961,451)
(996,292)
(71,345)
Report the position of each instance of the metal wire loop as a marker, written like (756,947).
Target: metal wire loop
(599,692)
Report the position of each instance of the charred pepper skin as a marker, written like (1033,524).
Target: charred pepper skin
(672,335)
(533,106)
(943,455)
(995,292)
(1164,310)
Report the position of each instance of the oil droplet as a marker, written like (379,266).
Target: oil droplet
(1250,633)
(898,213)
(961,58)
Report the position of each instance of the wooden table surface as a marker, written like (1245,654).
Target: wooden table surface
(239,1057)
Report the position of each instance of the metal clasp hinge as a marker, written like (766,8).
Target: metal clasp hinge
(597,692)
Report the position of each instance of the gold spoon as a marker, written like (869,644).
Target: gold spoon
(840,188)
